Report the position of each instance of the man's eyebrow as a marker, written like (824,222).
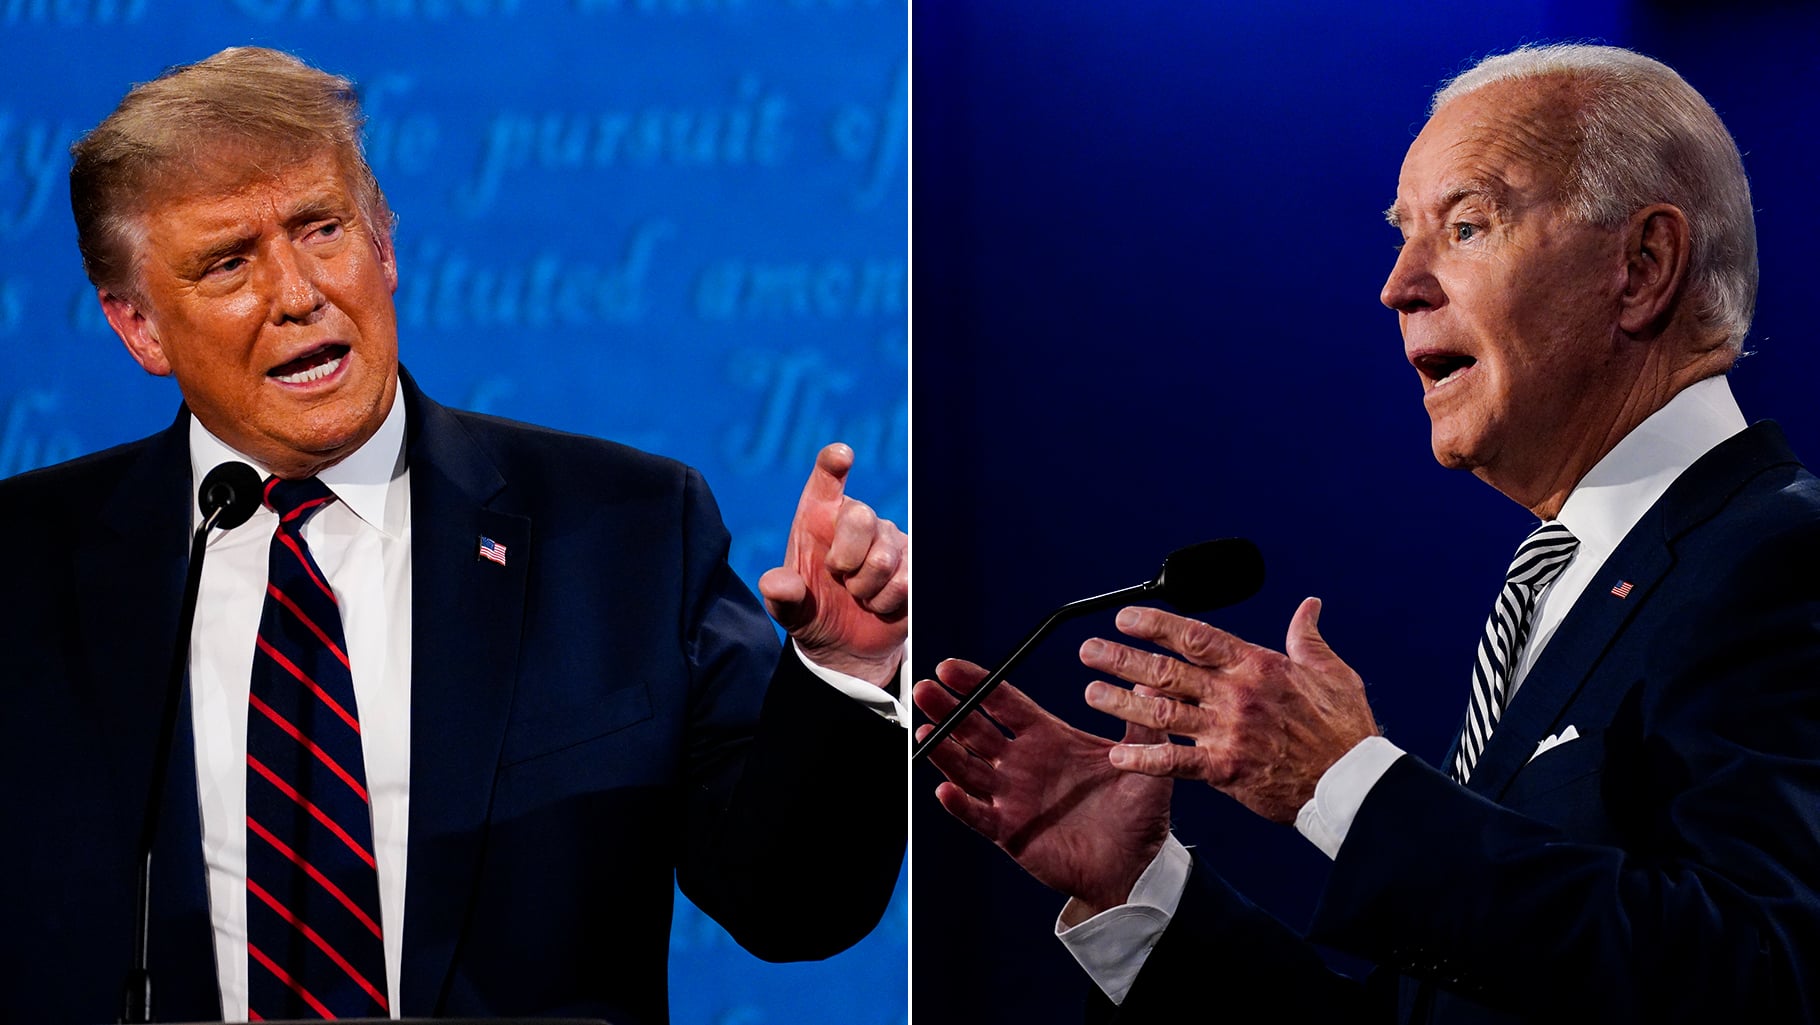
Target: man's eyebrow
(229,245)
(1492,191)
(314,208)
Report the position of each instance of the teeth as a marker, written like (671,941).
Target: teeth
(1450,376)
(316,373)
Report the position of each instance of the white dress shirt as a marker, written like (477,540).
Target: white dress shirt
(1600,511)
(363,545)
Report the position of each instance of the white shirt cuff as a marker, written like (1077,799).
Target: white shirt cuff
(1113,945)
(869,694)
(1327,817)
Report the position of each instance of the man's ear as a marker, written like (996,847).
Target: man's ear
(124,316)
(1658,247)
(388,259)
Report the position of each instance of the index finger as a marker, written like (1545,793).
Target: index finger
(1203,645)
(1008,706)
(828,480)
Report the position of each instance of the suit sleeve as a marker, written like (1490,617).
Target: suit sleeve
(1698,903)
(796,805)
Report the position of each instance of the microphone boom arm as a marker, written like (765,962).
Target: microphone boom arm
(1209,575)
(1068,611)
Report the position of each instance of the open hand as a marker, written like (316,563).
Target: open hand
(1046,793)
(1265,724)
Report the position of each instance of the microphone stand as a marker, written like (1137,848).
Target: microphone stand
(228,502)
(138,1003)
(1138,592)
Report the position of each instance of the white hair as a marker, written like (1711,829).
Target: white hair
(1645,136)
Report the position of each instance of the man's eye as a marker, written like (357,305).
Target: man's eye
(1463,231)
(229,265)
(329,230)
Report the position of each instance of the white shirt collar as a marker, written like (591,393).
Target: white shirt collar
(1615,494)
(362,481)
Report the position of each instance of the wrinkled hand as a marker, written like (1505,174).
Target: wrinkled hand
(1265,724)
(843,591)
(1046,794)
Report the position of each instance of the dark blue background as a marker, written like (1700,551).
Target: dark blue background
(1148,248)
(698,248)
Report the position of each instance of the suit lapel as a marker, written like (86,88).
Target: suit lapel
(465,622)
(1573,654)
(135,564)
(1597,618)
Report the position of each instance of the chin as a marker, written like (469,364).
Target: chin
(1452,461)
(1455,453)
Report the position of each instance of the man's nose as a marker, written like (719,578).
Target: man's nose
(294,293)
(1412,285)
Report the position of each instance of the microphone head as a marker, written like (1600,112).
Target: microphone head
(232,488)
(1210,575)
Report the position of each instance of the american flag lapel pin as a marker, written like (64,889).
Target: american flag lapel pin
(1621,589)
(492,550)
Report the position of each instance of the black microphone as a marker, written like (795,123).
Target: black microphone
(233,490)
(228,496)
(1209,575)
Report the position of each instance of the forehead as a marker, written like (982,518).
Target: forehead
(1517,136)
(230,191)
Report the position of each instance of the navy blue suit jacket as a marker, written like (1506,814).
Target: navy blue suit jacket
(1663,867)
(608,708)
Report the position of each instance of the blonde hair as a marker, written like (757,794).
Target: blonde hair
(191,117)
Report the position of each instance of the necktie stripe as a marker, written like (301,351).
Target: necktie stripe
(1489,664)
(311,746)
(303,560)
(1539,559)
(316,939)
(315,875)
(1552,542)
(303,678)
(316,813)
(305,509)
(284,599)
(1522,573)
(1548,536)
(299,954)
(292,984)
(1475,729)
(1510,612)
(1504,625)
(1481,714)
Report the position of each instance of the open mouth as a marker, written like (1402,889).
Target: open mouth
(314,365)
(1441,368)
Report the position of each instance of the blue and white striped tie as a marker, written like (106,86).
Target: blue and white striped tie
(1540,558)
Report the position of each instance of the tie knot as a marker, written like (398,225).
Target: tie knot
(1542,555)
(295,501)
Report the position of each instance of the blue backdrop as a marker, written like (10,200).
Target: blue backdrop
(675,223)
(1148,253)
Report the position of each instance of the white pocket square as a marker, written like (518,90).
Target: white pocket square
(1555,740)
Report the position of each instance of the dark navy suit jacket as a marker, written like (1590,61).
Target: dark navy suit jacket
(1663,867)
(608,708)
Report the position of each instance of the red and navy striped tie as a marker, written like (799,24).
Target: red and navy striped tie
(312,886)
